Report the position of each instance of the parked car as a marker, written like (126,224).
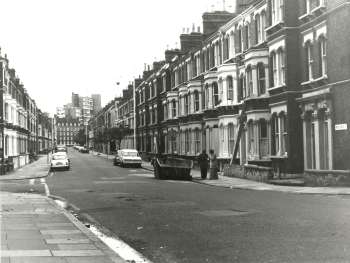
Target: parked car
(60,160)
(127,157)
(61,148)
(83,150)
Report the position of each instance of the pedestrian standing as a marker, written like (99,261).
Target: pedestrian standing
(203,164)
(213,166)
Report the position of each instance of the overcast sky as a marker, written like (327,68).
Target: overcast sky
(85,46)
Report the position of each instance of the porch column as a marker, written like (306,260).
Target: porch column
(317,138)
(246,145)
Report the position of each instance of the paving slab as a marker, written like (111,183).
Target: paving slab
(67,241)
(59,232)
(26,253)
(12,226)
(53,224)
(39,260)
(89,260)
(76,247)
(77,253)
(23,234)
(69,236)
(26,244)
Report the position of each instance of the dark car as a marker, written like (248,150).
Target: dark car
(84,150)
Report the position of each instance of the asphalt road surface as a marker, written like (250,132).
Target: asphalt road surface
(181,221)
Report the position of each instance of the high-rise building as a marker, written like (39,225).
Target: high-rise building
(96,99)
(75,99)
(60,112)
(86,105)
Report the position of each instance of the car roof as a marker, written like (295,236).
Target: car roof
(128,150)
(60,153)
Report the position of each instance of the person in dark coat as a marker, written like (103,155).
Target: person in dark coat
(203,164)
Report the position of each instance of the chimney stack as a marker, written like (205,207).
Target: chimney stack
(190,41)
(213,20)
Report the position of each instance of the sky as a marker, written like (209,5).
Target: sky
(88,46)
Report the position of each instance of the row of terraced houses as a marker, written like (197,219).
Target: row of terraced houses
(282,67)
(25,131)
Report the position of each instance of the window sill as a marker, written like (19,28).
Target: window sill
(277,87)
(309,82)
(318,9)
(305,17)
(278,24)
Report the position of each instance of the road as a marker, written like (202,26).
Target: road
(179,221)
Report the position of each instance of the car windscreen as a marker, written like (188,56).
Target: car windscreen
(59,157)
(61,149)
(131,154)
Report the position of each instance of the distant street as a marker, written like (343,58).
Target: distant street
(179,221)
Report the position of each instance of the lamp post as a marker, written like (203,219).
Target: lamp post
(134,102)
(2,156)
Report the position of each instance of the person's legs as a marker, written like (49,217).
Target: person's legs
(204,173)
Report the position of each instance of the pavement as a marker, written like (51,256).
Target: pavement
(37,169)
(239,183)
(34,228)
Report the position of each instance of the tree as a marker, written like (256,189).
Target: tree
(80,137)
(118,133)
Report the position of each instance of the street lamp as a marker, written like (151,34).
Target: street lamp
(134,101)
(2,156)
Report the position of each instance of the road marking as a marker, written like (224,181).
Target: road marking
(122,249)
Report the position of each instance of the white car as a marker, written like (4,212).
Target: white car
(127,157)
(60,160)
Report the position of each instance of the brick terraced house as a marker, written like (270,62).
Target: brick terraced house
(272,79)
(25,131)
